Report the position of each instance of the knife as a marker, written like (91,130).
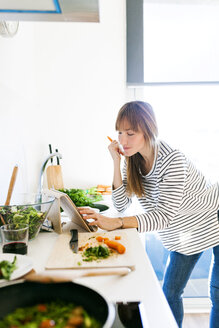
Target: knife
(74,240)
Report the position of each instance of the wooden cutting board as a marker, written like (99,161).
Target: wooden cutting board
(62,256)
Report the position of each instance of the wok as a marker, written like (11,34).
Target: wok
(30,293)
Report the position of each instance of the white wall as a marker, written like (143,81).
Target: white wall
(62,83)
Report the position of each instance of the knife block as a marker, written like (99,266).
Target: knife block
(54,177)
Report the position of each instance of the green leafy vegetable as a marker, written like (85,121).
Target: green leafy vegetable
(7,268)
(81,197)
(96,253)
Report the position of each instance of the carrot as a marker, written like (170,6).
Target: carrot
(117,237)
(106,192)
(99,238)
(103,186)
(115,245)
(120,151)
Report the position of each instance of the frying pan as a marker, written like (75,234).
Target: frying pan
(31,293)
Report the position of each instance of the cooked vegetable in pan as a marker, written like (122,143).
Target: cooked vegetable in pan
(56,314)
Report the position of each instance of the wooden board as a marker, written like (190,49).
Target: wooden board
(62,256)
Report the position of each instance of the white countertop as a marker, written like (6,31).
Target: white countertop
(139,285)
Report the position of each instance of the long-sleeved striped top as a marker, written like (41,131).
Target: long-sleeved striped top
(179,202)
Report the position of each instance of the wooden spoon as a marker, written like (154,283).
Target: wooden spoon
(11,185)
(54,276)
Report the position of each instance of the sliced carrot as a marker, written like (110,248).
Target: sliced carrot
(115,245)
(99,238)
(117,237)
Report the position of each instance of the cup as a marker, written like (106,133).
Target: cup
(15,238)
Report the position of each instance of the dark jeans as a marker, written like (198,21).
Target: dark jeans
(176,277)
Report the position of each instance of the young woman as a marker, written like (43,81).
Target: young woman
(175,197)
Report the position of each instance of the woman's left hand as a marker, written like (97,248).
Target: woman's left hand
(103,222)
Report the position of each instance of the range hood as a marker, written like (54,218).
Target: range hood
(49,10)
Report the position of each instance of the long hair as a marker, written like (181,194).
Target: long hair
(141,117)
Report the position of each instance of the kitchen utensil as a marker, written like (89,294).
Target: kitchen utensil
(54,174)
(62,257)
(58,162)
(32,293)
(11,185)
(54,177)
(66,275)
(50,150)
(74,240)
(28,210)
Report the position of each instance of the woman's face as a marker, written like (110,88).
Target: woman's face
(132,142)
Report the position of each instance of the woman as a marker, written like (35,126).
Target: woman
(176,199)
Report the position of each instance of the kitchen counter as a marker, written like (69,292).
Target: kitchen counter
(139,285)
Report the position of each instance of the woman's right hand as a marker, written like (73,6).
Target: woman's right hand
(115,150)
(103,222)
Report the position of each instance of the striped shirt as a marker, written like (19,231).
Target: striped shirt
(179,202)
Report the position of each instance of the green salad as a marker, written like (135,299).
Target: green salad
(7,268)
(25,215)
(57,314)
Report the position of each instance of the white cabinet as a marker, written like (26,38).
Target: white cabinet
(50,10)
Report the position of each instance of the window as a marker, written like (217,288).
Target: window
(172,41)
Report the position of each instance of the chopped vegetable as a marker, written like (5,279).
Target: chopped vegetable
(7,268)
(58,314)
(100,239)
(115,245)
(117,237)
(104,190)
(95,253)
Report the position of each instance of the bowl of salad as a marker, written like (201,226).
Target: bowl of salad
(27,209)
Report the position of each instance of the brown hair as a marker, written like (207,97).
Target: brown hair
(141,117)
